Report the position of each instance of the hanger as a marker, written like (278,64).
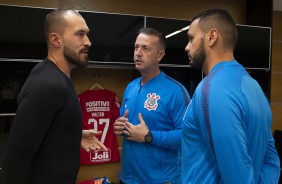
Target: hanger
(96,85)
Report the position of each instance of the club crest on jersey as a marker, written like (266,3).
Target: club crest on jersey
(152,101)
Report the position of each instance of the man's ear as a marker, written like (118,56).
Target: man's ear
(212,37)
(55,40)
(161,54)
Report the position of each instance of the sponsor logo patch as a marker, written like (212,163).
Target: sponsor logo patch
(100,156)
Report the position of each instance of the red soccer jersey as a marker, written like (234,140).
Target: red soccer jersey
(100,109)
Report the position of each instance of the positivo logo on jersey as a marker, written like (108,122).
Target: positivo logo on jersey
(100,156)
(152,101)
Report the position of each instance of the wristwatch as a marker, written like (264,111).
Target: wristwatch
(148,137)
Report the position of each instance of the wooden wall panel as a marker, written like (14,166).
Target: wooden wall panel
(276,79)
(111,170)
(112,79)
(277,26)
(172,9)
(33,3)
(276,87)
(277,116)
(276,56)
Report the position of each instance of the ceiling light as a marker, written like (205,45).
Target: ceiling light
(176,32)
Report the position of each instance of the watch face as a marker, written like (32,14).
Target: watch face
(148,137)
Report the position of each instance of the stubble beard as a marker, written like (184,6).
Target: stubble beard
(199,57)
(74,58)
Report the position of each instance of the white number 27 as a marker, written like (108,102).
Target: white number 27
(105,121)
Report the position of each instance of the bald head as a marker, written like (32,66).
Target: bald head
(56,22)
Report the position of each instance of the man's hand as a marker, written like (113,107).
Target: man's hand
(119,124)
(136,133)
(90,142)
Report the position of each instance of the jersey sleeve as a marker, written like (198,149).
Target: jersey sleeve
(172,139)
(231,137)
(225,130)
(270,170)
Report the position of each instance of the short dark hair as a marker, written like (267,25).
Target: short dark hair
(56,22)
(151,31)
(223,22)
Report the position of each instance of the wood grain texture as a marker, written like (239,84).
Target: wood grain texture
(276,87)
(277,116)
(276,56)
(276,76)
(171,9)
(32,3)
(277,26)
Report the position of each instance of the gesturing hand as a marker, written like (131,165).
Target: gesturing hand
(120,123)
(90,142)
(136,132)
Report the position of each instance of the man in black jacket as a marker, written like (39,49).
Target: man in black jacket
(45,139)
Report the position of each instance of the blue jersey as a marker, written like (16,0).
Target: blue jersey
(162,102)
(227,135)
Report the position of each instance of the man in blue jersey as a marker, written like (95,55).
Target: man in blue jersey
(152,113)
(227,135)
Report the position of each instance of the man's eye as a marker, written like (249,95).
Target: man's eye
(80,34)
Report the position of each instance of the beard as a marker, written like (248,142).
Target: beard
(74,58)
(199,57)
